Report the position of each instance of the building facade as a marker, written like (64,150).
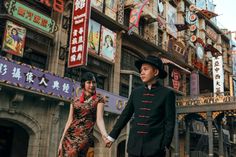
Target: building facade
(36,85)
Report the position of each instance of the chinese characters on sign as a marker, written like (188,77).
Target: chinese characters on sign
(218,74)
(31,17)
(234,70)
(176,79)
(194,83)
(115,103)
(35,79)
(79,33)
(14,39)
(58,5)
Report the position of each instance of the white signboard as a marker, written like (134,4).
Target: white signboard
(218,74)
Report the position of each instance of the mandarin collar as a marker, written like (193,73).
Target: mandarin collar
(153,86)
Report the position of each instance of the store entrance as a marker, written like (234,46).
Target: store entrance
(13,139)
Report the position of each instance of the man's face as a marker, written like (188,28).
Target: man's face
(148,73)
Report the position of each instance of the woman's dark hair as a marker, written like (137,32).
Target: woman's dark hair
(88,76)
(14,29)
(109,37)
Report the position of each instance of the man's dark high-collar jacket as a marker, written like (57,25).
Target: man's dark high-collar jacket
(153,123)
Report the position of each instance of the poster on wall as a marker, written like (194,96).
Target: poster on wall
(111,8)
(97,4)
(94,36)
(108,44)
(14,39)
(171,20)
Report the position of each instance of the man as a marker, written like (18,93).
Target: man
(154,112)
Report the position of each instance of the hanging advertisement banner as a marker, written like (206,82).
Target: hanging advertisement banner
(135,15)
(218,75)
(108,44)
(111,8)
(171,18)
(194,83)
(79,33)
(97,4)
(30,16)
(94,36)
(14,39)
(176,79)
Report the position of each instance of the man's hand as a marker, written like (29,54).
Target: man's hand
(107,142)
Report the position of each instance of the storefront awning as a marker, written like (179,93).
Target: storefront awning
(167,61)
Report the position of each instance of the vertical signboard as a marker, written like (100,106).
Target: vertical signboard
(14,39)
(194,83)
(218,74)
(234,71)
(171,18)
(111,8)
(79,33)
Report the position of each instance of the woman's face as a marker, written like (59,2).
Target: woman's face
(108,39)
(90,87)
(14,32)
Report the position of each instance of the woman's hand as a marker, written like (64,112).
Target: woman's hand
(60,150)
(106,141)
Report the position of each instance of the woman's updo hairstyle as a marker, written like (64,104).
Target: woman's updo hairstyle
(88,76)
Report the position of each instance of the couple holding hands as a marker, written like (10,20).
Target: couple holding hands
(151,105)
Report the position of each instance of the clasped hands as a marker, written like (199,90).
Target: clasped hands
(107,142)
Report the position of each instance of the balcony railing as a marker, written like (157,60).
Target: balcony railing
(205,99)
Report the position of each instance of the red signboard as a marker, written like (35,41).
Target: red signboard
(79,33)
(58,5)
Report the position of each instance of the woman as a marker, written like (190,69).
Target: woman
(108,49)
(84,112)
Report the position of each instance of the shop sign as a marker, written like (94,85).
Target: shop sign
(199,65)
(115,103)
(42,82)
(199,127)
(194,83)
(218,74)
(34,79)
(176,46)
(176,79)
(79,33)
(234,70)
(57,5)
(30,16)
(212,34)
